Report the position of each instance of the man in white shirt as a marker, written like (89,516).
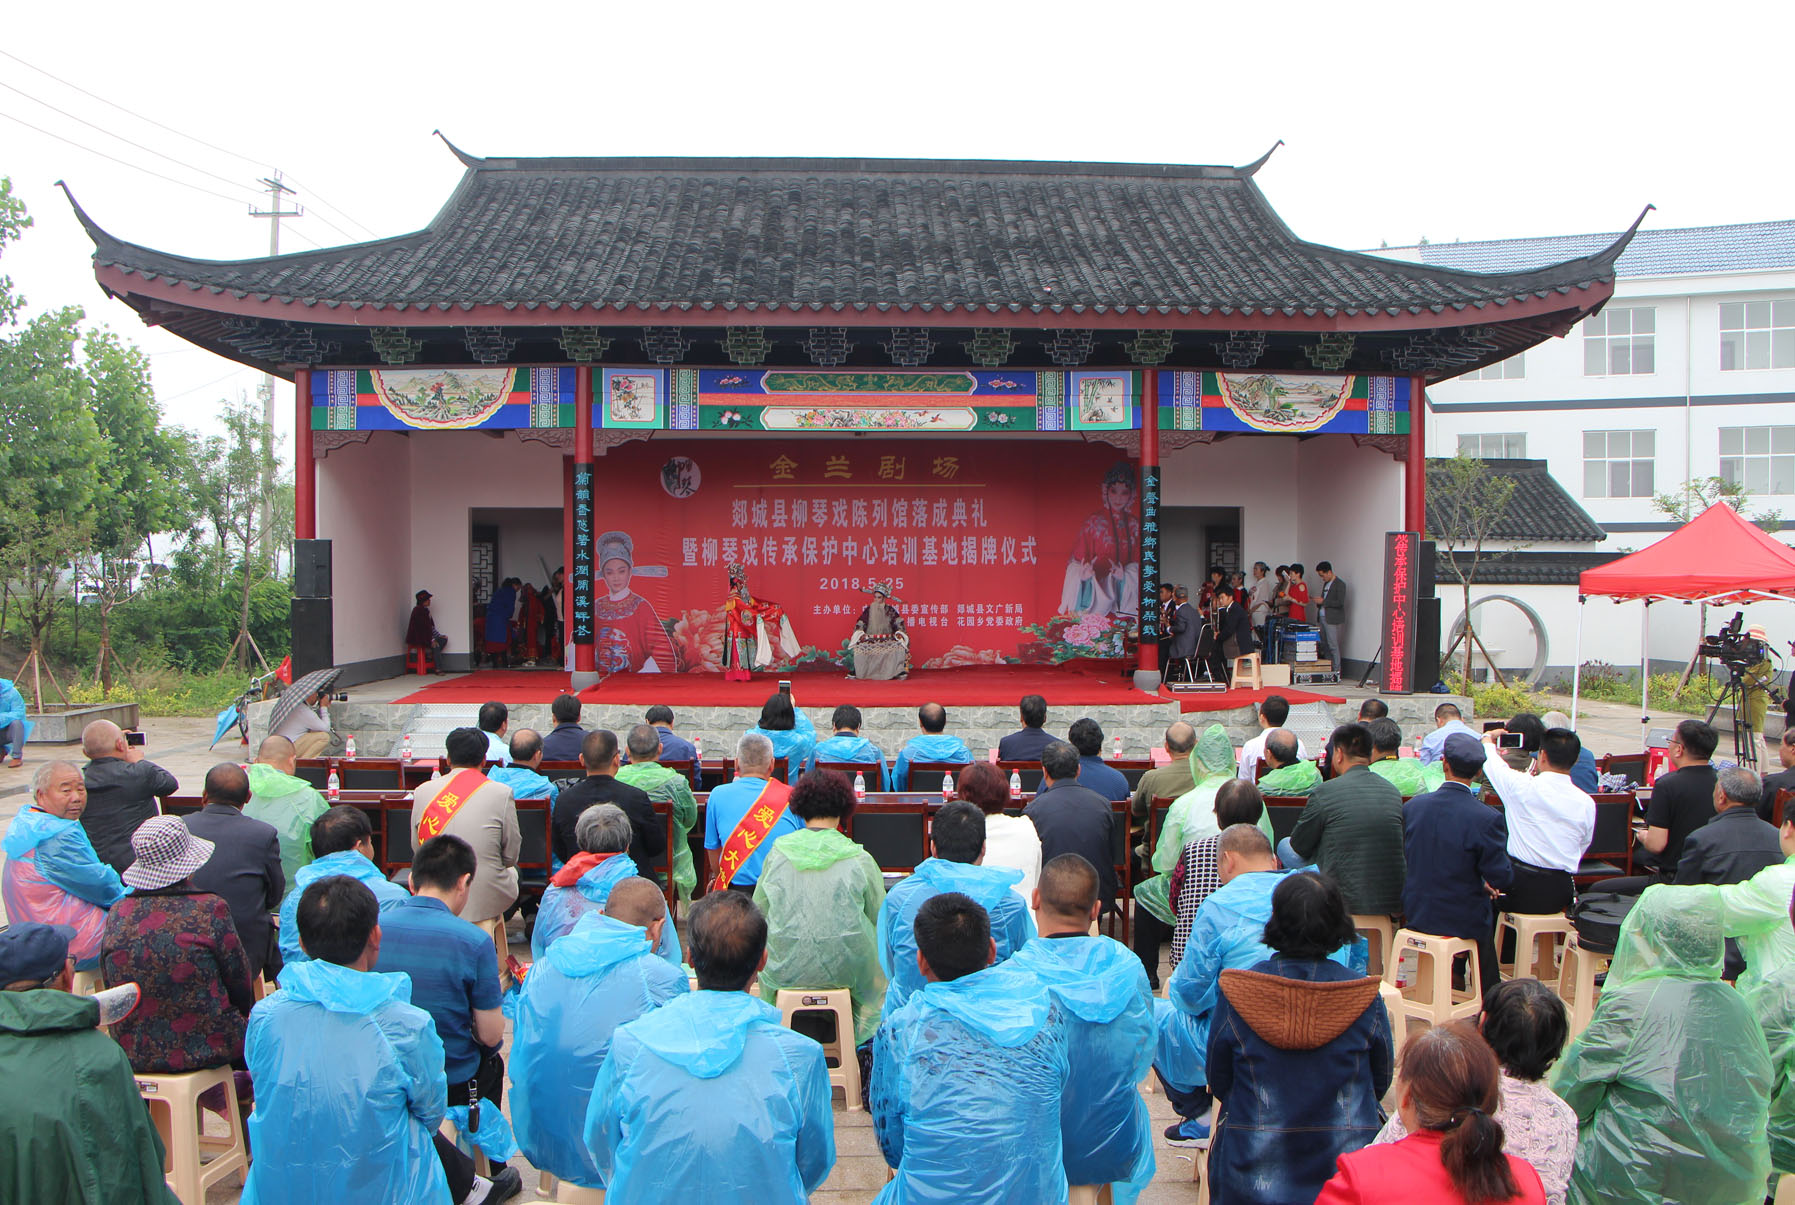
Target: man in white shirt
(1550,823)
(1447,720)
(1272,714)
(495,724)
(1265,588)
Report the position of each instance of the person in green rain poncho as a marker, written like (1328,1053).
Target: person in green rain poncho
(1190,818)
(661,785)
(1671,1080)
(1387,762)
(821,894)
(1290,775)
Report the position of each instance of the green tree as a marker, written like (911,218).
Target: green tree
(230,496)
(1465,503)
(1699,493)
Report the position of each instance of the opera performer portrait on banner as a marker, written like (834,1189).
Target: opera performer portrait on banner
(746,623)
(1103,572)
(879,647)
(628,636)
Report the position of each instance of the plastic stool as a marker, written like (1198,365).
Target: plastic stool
(1785,1191)
(174,1106)
(1431,998)
(419,658)
(1536,942)
(1380,936)
(572,1194)
(1245,673)
(846,1072)
(1090,1194)
(1577,982)
(482,1165)
(86,983)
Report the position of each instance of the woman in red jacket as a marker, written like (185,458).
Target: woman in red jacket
(1446,1094)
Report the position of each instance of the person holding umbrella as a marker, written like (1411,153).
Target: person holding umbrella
(302,715)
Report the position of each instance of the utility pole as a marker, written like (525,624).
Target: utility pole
(274,213)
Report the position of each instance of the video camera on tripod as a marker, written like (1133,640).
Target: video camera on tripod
(1746,654)
(1734,647)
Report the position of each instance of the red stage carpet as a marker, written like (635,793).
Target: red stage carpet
(979,685)
(1227,700)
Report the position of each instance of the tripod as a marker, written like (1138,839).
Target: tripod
(1745,741)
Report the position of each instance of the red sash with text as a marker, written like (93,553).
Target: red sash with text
(751,830)
(435,820)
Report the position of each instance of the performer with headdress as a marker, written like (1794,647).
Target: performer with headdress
(628,636)
(879,647)
(1103,570)
(746,622)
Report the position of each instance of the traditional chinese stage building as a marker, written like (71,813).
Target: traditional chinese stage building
(1026,392)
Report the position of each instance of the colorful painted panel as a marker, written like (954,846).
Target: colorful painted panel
(1102,400)
(441,399)
(802,400)
(1283,403)
(632,397)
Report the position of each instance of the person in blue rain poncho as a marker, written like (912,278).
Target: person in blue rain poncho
(600,976)
(1671,1079)
(349,1076)
(790,730)
(847,745)
(958,836)
(969,1076)
(52,875)
(1190,818)
(585,883)
(708,1097)
(932,745)
(15,729)
(1229,933)
(342,844)
(1102,991)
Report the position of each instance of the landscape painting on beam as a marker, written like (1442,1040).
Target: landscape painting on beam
(441,399)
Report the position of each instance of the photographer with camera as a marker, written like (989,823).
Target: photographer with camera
(308,725)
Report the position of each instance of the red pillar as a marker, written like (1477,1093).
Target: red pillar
(1414,508)
(1149,602)
(305,469)
(581,573)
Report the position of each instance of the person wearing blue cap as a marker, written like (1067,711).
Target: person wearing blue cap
(1457,854)
(78,1130)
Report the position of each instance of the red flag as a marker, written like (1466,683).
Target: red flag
(285,672)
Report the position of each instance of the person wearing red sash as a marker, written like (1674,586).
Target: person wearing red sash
(745,816)
(465,803)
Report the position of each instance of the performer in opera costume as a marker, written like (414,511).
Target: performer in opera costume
(628,636)
(1103,572)
(746,622)
(880,647)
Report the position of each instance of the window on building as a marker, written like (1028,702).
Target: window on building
(1762,459)
(1619,342)
(1757,334)
(1504,445)
(1619,464)
(1511,369)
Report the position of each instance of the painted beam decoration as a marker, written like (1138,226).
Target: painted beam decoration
(888,402)
(1283,403)
(441,399)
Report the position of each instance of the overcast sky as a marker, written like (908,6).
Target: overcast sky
(1399,120)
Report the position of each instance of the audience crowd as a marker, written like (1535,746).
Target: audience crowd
(1002,1038)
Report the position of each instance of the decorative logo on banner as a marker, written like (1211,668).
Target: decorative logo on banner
(1402,550)
(1032,558)
(441,399)
(1283,403)
(582,553)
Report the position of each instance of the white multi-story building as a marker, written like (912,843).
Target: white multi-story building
(1688,373)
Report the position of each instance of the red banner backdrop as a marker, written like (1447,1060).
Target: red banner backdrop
(1000,553)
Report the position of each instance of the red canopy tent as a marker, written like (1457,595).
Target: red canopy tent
(1716,557)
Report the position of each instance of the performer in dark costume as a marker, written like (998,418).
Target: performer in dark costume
(879,647)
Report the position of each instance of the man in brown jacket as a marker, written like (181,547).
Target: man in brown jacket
(465,803)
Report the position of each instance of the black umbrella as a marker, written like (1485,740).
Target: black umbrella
(294,697)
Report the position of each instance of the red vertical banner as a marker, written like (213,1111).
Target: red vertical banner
(1402,556)
(998,552)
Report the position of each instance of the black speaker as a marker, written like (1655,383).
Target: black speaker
(1427,642)
(314,643)
(311,568)
(1425,570)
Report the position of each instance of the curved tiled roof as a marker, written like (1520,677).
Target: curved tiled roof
(1539,510)
(770,236)
(1672,251)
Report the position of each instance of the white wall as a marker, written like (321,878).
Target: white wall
(1350,497)
(1255,473)
(364,510)
(528,539)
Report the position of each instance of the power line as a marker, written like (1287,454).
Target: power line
(120,137)
(227,376)
(316,197)
(121,162)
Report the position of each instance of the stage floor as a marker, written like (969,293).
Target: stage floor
(978,685)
